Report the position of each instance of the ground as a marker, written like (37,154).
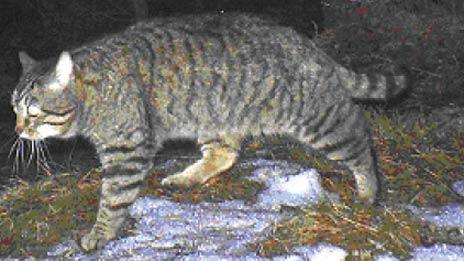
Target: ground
(419,140)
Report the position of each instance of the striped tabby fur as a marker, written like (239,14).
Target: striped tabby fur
(216,78)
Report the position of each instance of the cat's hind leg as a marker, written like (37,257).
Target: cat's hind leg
(218,155)
(342,133)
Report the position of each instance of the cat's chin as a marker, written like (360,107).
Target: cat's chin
(25,136)
(42,133)
(31,137)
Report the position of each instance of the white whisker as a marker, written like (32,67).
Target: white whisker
(16,160)
(45,167)
(42,157)
(32,152)
(13,146)
(37,157)
(49,155)
(21,144)
(72,151)
(8,141)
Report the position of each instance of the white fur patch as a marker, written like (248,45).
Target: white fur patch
(45,131)
(63,70)
(34,110)
(22,109)
(25,136)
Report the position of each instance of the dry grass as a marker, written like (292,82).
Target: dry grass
(34,216)
(367,35)
(39,215)
(412,173)
(359,230)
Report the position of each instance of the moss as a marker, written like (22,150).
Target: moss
(414,170)
(40,215)
(412,173)
(228,186)
(36,216)
(360,230)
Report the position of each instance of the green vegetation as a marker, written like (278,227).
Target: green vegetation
(363,231)
(416,167)
(36,216)
(40,215)
(412,173)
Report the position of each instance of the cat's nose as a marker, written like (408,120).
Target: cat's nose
(19,127)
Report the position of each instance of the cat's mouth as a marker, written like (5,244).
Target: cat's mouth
(60,117)
(52,124)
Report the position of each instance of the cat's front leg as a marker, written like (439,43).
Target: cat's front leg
(123,174)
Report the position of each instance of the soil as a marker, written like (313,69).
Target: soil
(43,29)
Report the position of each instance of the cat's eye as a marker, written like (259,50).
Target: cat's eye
(33,110)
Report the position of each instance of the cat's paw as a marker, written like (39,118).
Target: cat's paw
(93,241)
(183,180)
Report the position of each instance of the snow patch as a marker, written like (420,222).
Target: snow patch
(458,186)
(319,252)
(439,252)
(224,231)
(287,184)
(451,215)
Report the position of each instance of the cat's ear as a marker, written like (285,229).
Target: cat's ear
(64,69)
(27,62)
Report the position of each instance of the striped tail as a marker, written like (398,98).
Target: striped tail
(374,87)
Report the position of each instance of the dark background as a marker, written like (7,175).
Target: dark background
(45,28)
(424,36)
(419,137)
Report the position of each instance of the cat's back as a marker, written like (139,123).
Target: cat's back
(209,24)
(190,67)
(207,40)
(238,33)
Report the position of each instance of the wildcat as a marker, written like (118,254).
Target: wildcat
(216,78)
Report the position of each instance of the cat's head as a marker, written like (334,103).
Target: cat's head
(42,101)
